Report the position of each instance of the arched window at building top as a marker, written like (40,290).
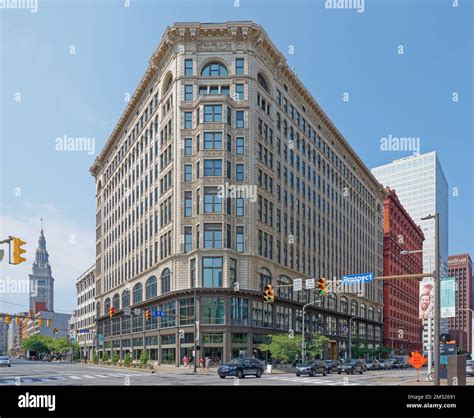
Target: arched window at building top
(214,69)
(137,293)
(262,81)
(265,278)
(126,298)
(116,301)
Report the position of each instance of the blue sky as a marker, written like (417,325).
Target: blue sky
(335,52)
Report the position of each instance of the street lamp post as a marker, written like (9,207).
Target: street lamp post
(437,296)
(350,337)
(303,343)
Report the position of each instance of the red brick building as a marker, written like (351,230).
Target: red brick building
(460,267)
(402,327)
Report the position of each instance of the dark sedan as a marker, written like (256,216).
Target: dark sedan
(311,368)
(331,366)
(240,368)
(351,367)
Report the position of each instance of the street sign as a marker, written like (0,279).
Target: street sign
(101,340)
(127,311)
(358,278)
(309,284)
(297,284)
(417,360)
(154,312)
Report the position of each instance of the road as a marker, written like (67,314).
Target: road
(42,373)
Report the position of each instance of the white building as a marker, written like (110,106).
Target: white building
(85,317)
(422,189)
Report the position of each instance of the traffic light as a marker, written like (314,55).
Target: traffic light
(48,323)
(322,286)
(40,321)
(147,314)
(269,294)
(17,320)
(55,331)
(8,319)
(111,311)
(17,250)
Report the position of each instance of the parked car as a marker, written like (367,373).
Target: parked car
(470,367)
(311,368)
(5,361)
(397,364)
(331,366)
(351,367)
(385,365)
(373,365)
(240,368)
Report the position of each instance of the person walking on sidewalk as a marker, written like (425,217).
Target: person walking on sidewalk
(186,361)
(208,362)
(202,363)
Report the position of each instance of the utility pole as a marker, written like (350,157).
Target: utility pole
(195,329)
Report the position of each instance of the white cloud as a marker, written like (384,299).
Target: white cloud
(71,251)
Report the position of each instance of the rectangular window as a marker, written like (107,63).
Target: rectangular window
(239,92)
(188,172)
(239,66)
(211,272)
(229,116)
(202,90)
(239,119)
(188,204)
(212,168)
(239,233)
(188,92)
(188,67)
(229,143)
(239,311)
(239,206)
(188,239)
(239,172)
(212,236)
(212,200)
(212,140)
(188,146)
(225,90)
(188,120)
(212,113)
(239,143)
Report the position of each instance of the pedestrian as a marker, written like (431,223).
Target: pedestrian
(202,363)
(208,362)
(186,361)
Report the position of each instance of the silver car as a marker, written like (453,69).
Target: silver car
(470,367)
(5,361)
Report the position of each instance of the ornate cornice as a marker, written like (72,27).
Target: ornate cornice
(230,37)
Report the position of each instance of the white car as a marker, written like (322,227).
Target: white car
(470,367)
(5,361)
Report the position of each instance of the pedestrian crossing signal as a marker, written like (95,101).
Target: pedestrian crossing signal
(269,294)
(55,331)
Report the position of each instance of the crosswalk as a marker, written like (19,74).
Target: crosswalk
(58,378)
(314,381)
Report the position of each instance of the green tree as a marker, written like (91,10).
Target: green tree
(144,358)
(283,347)
(115,358)
(38,343)
(316,345)
(127,360)
(105,358)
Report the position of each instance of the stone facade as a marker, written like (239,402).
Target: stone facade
(219,105)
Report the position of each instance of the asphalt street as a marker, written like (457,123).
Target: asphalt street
(43,373)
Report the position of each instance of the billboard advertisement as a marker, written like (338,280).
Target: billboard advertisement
(448,297)
(426,301)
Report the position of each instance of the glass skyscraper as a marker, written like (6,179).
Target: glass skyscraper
(422,188)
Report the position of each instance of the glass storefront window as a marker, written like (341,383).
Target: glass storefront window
(212,310)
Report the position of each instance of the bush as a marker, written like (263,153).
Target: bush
(144,358)
(95,360)
(105,358)
(127,360)
(115,359)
